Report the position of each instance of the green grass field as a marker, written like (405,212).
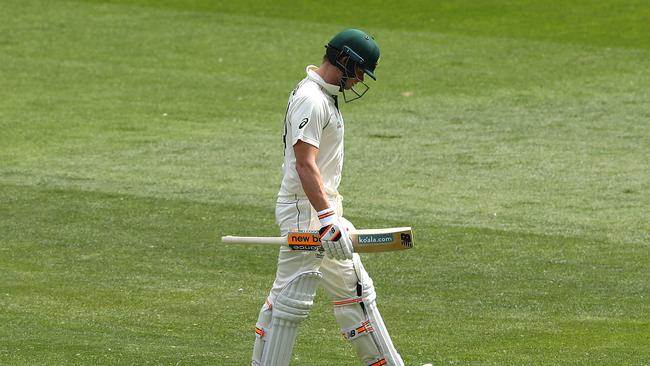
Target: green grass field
(514,136)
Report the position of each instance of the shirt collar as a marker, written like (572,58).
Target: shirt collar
(313,76)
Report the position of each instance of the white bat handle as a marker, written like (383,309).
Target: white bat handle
(254,240)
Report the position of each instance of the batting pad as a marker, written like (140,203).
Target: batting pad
(371,322)
(290,308)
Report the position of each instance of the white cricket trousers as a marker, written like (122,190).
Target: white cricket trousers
(339,276)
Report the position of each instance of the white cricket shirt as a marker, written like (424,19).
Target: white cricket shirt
(313,117)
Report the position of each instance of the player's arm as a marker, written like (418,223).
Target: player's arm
(334,237)
(309,174)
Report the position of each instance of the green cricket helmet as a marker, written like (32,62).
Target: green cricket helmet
(361,49)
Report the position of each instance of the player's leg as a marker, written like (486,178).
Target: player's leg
(356,312)
(295,284)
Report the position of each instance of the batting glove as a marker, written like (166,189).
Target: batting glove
(334,236)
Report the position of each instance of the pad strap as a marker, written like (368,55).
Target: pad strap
(260,332)
(352,301)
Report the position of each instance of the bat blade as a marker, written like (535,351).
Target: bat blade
(382,240)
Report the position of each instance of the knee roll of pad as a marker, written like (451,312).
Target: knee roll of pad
(294,301)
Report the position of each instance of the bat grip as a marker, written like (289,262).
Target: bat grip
(254,240)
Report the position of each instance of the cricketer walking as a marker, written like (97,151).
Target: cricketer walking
(309,199)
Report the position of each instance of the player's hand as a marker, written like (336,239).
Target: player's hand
(334,236)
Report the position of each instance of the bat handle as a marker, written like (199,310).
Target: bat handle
(229,239)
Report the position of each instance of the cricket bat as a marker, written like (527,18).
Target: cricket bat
(363,241)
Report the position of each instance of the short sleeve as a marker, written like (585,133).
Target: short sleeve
(307,120)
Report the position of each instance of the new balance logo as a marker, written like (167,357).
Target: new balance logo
(406,240)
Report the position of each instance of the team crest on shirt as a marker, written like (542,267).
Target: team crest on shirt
(339,122)
(336,118)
